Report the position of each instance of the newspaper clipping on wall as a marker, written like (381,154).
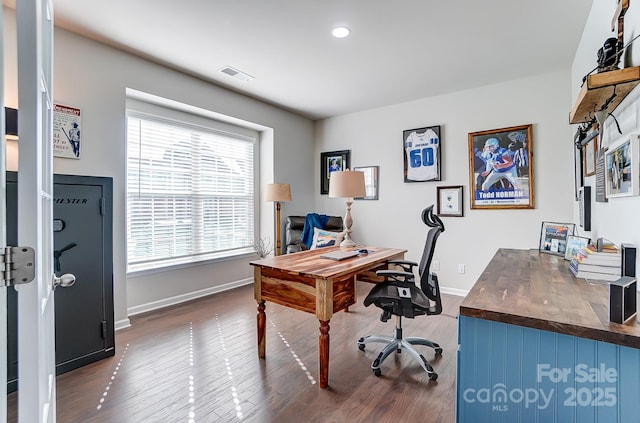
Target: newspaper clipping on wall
(66,131)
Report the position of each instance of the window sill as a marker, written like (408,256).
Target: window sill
(186,262)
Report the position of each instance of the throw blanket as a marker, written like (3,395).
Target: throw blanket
(312,220)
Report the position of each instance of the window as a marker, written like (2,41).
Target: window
(190,188)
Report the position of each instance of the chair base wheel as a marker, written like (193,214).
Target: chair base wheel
(438,352)
(378,372)
(433,376)
(361,346)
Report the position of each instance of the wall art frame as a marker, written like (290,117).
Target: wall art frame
(450,201)
(370,182)
(621,167)
(501,168)
(331,161)
(421,152)
(590,155)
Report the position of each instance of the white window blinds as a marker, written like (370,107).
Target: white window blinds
(190,192)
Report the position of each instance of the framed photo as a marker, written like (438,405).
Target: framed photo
(370,182)
(621,167)
(575,244)
(553,237)
(450,201)
(501,168)
(330,162)
(421,154)
(590,151)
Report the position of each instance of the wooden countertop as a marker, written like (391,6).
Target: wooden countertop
(537,290)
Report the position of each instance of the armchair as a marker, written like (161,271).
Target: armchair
(398,295)
(295,225)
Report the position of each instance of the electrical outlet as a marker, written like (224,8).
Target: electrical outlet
(435,265)
(461,268)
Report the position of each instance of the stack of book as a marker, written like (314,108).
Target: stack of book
(602,265)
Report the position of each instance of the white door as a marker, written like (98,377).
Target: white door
(3,242)
(36,338)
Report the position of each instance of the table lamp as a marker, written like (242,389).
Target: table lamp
(277,193)
(347,184)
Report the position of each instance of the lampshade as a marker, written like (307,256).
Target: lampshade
(346,184)
(277,192)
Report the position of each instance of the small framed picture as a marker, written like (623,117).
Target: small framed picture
(621,167)
(330,162)
(450,201)
(553,237)
(575,244)
(370,182)
(589,161)
(422,154)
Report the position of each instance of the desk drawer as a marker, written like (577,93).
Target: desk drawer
(296,291)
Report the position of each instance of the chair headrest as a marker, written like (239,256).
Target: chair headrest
(431,219)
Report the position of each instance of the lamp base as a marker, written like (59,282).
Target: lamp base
(347,242)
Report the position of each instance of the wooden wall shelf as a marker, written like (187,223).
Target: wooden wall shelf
(599,87)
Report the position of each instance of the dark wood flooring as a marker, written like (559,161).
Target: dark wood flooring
(198,362)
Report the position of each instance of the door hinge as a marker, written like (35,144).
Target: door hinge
(18,265)
(104,329)
(102,206)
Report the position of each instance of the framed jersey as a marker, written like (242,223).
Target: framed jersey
(501,168)
(421,149)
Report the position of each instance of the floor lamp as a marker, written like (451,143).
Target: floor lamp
(347,184)
(277,193)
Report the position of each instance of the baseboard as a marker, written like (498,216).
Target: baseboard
(166,302)
(454,291)
(122,324)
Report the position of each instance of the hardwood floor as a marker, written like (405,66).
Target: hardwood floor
(198,362)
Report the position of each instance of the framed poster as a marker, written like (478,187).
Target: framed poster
(370,182)
(450,201)
(330,162)
(621,167)
(501,168)
(422,154)
(553,237)
(66,131)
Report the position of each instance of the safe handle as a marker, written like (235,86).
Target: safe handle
(64,281)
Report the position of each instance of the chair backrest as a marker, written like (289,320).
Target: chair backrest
(429,283)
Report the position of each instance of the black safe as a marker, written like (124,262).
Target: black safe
(83,246)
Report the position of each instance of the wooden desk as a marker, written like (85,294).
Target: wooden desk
(536,344)
(308,283)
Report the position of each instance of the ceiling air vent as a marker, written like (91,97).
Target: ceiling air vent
(236,73)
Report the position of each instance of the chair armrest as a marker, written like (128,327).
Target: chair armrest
(393,276)
(394,273)
(406,265)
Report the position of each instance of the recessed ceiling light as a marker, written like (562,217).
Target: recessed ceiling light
(341,31)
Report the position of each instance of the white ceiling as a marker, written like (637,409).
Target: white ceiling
(398,51)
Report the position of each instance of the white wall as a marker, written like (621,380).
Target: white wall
(94,77)
(616,220)
(375,138)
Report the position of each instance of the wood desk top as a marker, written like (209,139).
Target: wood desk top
(309,263)
(537,290)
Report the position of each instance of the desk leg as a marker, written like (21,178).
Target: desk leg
(262,318)
(323,353)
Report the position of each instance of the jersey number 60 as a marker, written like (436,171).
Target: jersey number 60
(423,157)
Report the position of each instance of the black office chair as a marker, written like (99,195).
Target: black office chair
(398,295)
